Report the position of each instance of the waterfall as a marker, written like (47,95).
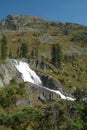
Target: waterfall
(28,75)
(61,95)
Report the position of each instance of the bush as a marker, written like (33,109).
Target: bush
(13,81)
(1,76)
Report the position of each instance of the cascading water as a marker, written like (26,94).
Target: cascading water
(29,75)
(61,95)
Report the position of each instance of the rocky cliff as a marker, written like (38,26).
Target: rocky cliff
(50,89)
(35,94)
(8,72)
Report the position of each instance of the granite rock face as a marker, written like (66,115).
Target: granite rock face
(47,80)
(37,94)
(50,89)
(8,72)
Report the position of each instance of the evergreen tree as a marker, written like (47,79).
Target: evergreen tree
(56,55)
(59,55)
(24,50)
(34,53)
(18,52)
(3,48)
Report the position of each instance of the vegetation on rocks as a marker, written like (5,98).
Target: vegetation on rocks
(58,50)
(3,48)
(57,115)
(57,55)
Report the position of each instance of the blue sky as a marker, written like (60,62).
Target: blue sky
(55,10)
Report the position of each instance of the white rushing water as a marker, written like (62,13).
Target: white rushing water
(61,95)
(28,75)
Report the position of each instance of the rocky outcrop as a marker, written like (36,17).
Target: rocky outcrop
(38,64)
(8,72)
(47,80)
(51,83)
(43,94)
(21,22)
(19,71)
(37,94)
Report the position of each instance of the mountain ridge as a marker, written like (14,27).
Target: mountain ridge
(23,20)
(39,17)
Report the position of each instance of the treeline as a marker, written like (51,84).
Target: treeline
(22,51)
(5,52)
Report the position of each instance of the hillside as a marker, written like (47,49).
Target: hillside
(35,30)
(28,105)
(40,34)
(38,42)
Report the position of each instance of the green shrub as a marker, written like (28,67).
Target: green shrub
(1,76)
(13,81)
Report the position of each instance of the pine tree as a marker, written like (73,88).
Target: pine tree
(59,55)
(3,48)
(34,53)
(53,55)
(56,55)
(24,49)
(18,52)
